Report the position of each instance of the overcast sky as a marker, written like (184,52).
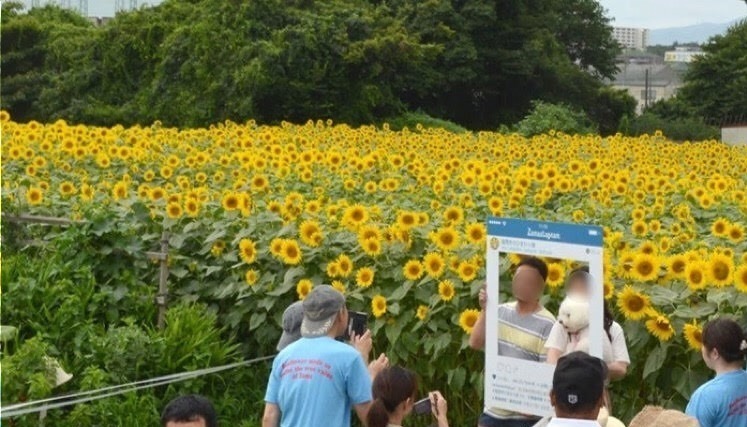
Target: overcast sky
(634,13)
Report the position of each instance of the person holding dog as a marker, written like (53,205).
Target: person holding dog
(617,359)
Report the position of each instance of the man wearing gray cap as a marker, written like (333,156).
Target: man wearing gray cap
(292,318)
(316,380)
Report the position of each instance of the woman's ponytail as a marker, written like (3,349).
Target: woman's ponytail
(377,414)
(391,387)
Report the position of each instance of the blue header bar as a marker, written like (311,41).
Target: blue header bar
(558,232)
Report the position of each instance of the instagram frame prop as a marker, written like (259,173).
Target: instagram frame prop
(518,385)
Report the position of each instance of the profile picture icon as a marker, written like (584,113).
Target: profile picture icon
(495,243)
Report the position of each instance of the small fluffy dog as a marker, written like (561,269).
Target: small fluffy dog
(574,316)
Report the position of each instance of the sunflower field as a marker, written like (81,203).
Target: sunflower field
(256,216)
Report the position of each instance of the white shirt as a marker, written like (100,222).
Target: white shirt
(615,351)
(567,422)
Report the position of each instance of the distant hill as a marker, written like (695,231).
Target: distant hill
(693,33)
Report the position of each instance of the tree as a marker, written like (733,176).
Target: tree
(715,86)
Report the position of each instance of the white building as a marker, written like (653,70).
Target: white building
(682,54)
(631,38)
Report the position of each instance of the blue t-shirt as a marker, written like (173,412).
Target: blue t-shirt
(316,381)
(721,402)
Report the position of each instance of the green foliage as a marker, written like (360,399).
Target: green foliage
(678,129)
(610,107)
(414,121)
(715,84)
(546,117)
(201,62)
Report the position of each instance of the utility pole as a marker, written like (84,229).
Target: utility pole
(646,91)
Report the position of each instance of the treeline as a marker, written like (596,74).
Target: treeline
(478,63)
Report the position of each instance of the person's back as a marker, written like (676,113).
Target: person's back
(316,382)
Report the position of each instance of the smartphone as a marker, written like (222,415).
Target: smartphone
(422,407)
(357,324)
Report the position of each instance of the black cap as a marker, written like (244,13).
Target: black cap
(578,382)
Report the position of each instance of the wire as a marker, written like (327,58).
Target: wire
(91,395)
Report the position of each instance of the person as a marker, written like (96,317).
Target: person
(317,380)
(577,390)
(524,325)
(616,354)
(292,318)
(656,416)
(722,401)
(394,391)
(617,358)
(189,411)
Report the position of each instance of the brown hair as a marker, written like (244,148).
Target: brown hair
(726,336)
(391,387)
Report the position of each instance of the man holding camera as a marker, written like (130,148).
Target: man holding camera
(317,380)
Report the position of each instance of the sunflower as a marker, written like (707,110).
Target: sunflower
(192,207)
(633,304)
(719,227)
(720,269)
(247,251)
(434,264)
(34,196)
(303,288)
(413,270)
(276,247)
(453,215)
(660,327)
(645,267)
(446,238)
(310,233)
(740,278)
(259,183)
(120,190)
(467,319)
(693,335)
(250,277)
(355,215)
(625,264)
(67,189)
(230,201)
(364,277)
(174,210)
(217,248)
(446,290)
(467,271)
(345,265)
(676,265)
(407,219)
(372,247)
(369,232)
(476,233)
(735,233)
(696,275)
(639,228)
(422,312)
(378,306)
(333,269)
(495,204)
(555,274)
(339,286)
(290,252)
(648,248)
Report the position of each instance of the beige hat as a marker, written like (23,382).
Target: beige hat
(656,416)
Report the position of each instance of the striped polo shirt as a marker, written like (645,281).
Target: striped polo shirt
(521,337)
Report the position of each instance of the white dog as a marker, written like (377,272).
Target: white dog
(574,316)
